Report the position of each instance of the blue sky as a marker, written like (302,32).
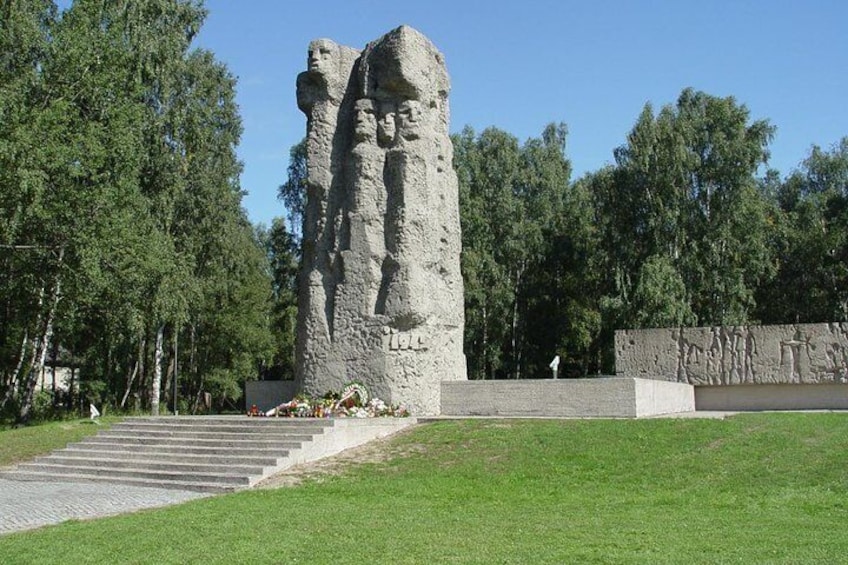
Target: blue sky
(592,64)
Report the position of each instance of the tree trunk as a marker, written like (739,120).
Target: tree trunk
(12,383)
(130,380)
(41,345)
(143,384)
(196,404)
(174,392)
(192,368)
(156,385)
(192,358)
(17,374)
(53,371)
(167,396)
(486,362)
(71,385)
(33,346)
(516,354)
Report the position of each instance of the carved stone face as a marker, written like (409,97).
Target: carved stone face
(365,120)
(409,119)
(386,126)
(321,56)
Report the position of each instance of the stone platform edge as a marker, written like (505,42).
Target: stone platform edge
(601,397)
(343,433)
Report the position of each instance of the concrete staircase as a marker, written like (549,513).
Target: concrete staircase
(207,454)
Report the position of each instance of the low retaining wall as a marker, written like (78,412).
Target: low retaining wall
(267,394)
(605,397)
(736,355)
(343,434)
(772,397)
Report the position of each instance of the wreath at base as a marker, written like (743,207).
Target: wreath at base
(354,401)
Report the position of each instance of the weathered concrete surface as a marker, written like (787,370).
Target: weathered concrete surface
(656,398)
(345,433)
(268,394)
(734,355)
(745,398)
(608,397)
(381,296)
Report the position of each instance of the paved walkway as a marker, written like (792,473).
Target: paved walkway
(25,505)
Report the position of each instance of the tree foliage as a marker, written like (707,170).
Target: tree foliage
(125,253)
(683,217)
(810,241)
(680,231)
(292,193)
(282,253)
(124,244)
(523,235)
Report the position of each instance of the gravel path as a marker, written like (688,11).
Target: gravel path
(25,505)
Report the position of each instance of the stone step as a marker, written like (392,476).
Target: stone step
(224,459)
(271,435)
(203,454)
(152,475)
(151,465)
(306,428)
(289,443)
(196,486)
(107,446)
(232,421)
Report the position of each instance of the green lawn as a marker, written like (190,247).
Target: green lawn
(759,488)
(20,444)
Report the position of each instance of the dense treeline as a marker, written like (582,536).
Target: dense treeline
(688,227)
(125,252)
(681,230)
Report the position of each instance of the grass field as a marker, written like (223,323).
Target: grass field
(759,488)
(20,444)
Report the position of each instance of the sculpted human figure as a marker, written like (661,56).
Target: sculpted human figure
(386,127)
(328,67)
(381,292)
(321,56)
(365,121)
(407,207)
(409,119)
(321,92)
(365,249)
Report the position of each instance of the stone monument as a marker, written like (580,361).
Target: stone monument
(737,355)
(381,293)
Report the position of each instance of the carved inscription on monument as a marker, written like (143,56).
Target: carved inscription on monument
(380,279)
(800,353)
(405,341)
